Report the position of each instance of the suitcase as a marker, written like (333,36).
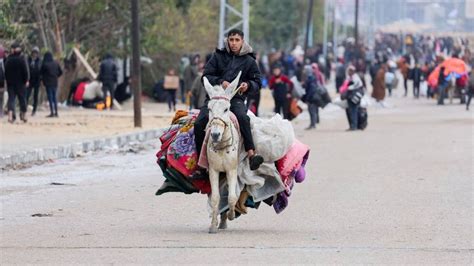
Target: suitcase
(363,118)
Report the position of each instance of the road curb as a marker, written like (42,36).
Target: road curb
(76,149)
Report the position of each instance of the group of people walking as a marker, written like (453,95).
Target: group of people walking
(22,77)
(422,57)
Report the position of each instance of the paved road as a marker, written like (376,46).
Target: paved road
(399,192)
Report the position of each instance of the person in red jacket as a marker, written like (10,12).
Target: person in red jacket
(281,87)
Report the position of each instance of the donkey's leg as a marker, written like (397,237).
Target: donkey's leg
(232,182)
(223,224)
(215,198)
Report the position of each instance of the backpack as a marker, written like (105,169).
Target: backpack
(321,96)
(355,96)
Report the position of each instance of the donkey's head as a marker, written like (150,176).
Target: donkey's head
(219,107)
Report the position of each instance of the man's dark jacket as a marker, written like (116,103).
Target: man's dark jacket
(50,71)
(35,68)
(16,70)
(108,70)
(225,66)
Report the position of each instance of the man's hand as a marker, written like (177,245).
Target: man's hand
(27,84)
(225,84)
(244,86)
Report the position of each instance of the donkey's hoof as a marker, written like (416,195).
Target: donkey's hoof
(231,215)
(223,226)
(213,230)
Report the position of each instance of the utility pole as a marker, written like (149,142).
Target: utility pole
(136,75)
(308,27)
(402,19)
(356,28)
(225,10)
(334,31)
(371,29)
(325,32)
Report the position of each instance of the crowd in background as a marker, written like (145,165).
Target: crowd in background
(290,75)
(23,75)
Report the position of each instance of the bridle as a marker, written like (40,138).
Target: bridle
(219,146)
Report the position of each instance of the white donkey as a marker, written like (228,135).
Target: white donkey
(223,148)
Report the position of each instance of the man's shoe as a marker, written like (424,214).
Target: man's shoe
(50,115)
(11,118)
(255,162)
(23,117)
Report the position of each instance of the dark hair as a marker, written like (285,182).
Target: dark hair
(276,65)
(235,32)
(107,56)
(48,57)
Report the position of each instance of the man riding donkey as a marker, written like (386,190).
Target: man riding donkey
(222,68)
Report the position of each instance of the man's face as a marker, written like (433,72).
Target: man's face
(235,43)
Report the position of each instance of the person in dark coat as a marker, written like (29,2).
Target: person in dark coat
(50,72)
(442,85)
(108,76)
(198,91)
(222,68)
(16,76)
(470,89)
(281,87)
(340,74)
(2,78)
(417,74)
(189,75)
(310,85)
(34,64)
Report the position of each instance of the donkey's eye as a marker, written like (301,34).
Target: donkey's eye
(227,109)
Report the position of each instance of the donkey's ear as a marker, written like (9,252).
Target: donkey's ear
(232,88)
(211,91)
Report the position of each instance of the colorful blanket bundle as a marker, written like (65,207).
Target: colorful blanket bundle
(177,157)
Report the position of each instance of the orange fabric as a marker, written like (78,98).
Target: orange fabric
(450,65)
(454,65)
(433,77)
(295,110)
(178,115)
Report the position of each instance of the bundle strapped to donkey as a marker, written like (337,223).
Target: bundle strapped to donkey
(284,159)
